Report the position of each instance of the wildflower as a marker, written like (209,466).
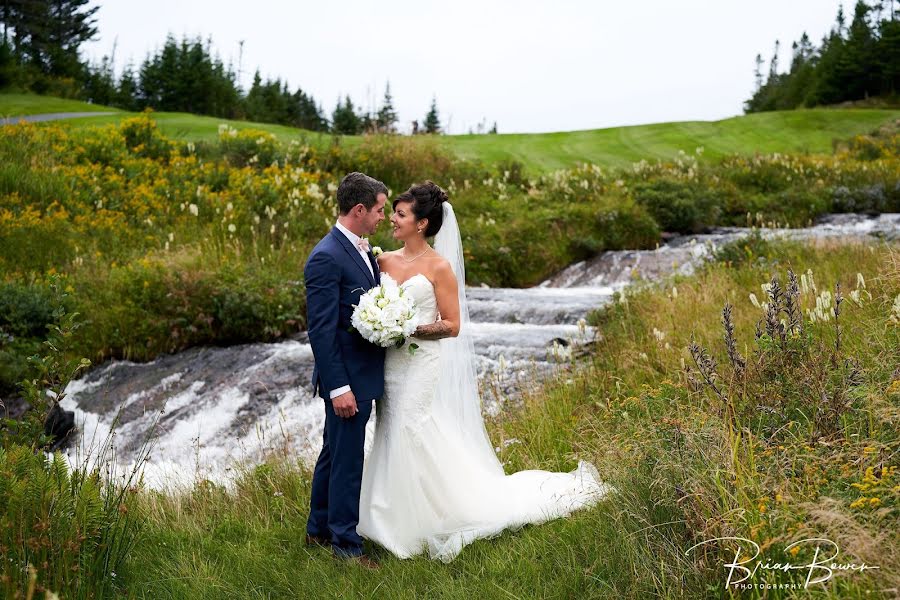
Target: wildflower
(582,324)
(194,209)
(895,311)
(754,301)
(231,228)
(674,293)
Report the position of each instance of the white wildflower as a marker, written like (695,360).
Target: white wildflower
(895,311)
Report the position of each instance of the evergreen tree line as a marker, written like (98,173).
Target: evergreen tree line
(39,53)
(853,62)
(40,41)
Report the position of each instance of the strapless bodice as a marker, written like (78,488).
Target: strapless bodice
(422,291)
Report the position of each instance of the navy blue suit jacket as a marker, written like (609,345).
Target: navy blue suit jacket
(336,277)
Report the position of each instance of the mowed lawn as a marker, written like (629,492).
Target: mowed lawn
(803,131)
(14,105)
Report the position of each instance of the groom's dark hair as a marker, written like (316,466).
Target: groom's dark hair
(358,188)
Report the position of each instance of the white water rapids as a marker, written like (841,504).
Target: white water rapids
(214,406)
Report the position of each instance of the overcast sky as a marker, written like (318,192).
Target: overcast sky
(529,65)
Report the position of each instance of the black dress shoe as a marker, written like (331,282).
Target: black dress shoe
(315,540)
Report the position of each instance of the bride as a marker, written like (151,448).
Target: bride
(432,481)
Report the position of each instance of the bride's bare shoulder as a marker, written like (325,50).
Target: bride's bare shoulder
(440,267)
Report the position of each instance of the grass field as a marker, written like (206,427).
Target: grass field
(804,131)
(14,105)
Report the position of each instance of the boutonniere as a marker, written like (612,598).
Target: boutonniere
(376,250)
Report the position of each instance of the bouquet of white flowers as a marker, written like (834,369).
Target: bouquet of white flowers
(385,315)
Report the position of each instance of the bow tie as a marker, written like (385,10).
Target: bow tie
(362,244)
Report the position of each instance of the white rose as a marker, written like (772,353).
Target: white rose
(392,312)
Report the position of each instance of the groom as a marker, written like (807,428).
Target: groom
(349,371)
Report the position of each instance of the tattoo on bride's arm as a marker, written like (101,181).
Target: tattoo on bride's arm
(433,331)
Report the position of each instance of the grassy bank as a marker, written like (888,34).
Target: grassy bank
(801,131)
(786,132)
(687,468)
(13,105)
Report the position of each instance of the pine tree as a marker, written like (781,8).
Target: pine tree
(126,94)
(859,68)
(773,66)
(46,34)
(68,25)
(309,116)
(386,119)
(100,86)
(432,122)
(344,120)
(757,72)
(888,53)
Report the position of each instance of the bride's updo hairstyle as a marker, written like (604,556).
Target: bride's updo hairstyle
(427,201)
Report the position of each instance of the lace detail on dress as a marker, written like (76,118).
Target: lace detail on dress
(410,379)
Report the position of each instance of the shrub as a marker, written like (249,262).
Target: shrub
(747,250)
(143,137)
(679,206)
(248,147)
(25,311)
(400,161)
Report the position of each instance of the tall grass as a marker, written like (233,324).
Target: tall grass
(687,466)
(63,533)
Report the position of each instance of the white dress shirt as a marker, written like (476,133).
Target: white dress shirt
(353,240)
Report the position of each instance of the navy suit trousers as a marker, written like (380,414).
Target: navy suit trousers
(334,506)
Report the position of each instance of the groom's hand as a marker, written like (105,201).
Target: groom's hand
(345,405)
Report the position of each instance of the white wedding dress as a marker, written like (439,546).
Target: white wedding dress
(431,481)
